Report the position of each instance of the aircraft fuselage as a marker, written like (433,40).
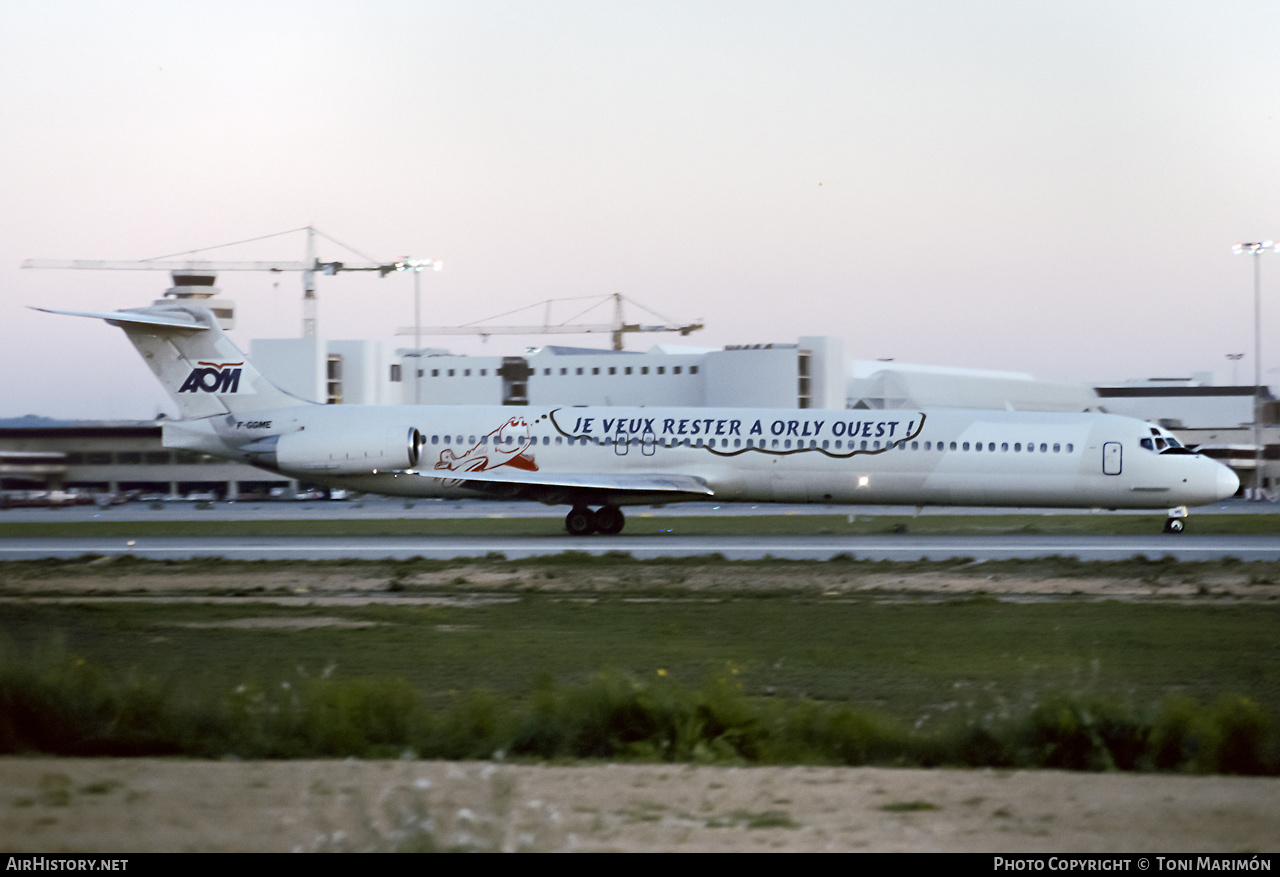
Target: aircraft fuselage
(620,456)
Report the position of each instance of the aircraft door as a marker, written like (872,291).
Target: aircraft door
(1112,457)
(621,444)
(648,443)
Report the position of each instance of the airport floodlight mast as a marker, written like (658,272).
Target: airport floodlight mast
(1234,359)
(617,328)
(417,266)
(1256,249)
(308,267)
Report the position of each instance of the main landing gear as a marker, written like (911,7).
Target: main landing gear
(1177,520)
(581,521)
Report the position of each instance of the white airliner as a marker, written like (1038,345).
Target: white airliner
(612,457)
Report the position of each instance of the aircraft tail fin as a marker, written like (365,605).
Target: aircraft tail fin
(200,367)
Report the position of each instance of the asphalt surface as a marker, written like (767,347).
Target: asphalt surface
(903,547)
(376,508)
(1187,546)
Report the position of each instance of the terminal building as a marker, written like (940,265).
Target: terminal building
(107,457)
(809,373)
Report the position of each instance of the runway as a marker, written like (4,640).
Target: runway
(897,547)
(371,508)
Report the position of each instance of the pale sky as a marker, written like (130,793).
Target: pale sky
(1051,187)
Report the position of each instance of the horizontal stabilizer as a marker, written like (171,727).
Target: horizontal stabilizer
(174,321)
(622,482)
(198,365)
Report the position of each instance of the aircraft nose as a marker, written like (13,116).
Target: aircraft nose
(1228,483)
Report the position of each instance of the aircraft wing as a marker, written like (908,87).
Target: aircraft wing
(118,317)
(542,484)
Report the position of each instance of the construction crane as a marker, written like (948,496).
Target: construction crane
(193,277)
(618,327)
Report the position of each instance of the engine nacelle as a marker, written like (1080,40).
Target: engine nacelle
(352,451)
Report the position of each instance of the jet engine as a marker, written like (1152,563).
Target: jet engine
(357,451)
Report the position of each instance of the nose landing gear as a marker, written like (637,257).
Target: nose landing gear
(1177,520)
(581,521)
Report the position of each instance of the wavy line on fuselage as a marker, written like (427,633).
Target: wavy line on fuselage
(826,452)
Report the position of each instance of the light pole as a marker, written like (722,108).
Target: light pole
(1234,358)
(1256,249)
(416,266)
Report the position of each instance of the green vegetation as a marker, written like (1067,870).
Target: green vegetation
(910,657)
(66,706)
(909,807)
(709,660)
(640,525)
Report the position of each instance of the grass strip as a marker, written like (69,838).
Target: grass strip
(920,658)
(66,706)
(503,574)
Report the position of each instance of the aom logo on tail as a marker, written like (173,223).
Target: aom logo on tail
(214,377)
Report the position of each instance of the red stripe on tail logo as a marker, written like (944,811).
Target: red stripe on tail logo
(213,377)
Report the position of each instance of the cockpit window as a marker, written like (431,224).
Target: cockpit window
(1163,443)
